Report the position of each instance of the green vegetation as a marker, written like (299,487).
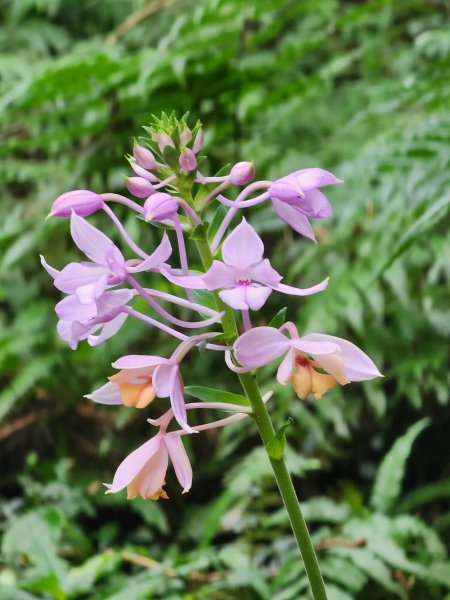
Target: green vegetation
(360,88)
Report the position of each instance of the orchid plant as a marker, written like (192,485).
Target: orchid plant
(237,279)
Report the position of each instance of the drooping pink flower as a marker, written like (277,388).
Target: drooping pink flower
(107,266)
(143,472)
(341,360)
(297,197)
(141,376)
(133,385)
(246,278)
(79,321)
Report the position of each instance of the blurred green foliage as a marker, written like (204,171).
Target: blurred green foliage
(360,88)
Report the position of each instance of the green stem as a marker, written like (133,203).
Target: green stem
(267,432)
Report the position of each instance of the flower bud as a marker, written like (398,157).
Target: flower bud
(185,136)
(163,140)
(144,157)
(139,187)
(198,142)
(242,173)
(141,172)
(187,160)
(82,202)
(160,206)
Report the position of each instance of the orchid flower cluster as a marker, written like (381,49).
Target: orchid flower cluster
(168,189)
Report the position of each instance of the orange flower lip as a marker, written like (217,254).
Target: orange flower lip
(138,393)
(306,380)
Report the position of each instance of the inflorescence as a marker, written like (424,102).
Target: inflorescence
(101,291)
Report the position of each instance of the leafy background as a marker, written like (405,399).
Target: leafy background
(360,88)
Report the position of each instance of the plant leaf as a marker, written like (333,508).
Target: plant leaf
(212,395)
(275,447)
(278,320)
(387,487)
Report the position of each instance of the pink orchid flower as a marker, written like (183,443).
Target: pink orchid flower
(80,321)
(247,278)
(142,377)
(341,360)
(107,266)
(143,472)
(297,197)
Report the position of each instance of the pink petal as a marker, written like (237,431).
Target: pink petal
(107,394)
(314,346)
(293,218)
(93,242)
(163,379)
(243,247)
(180,460)
(111,300)
(159,256)
(315,178)
(286,189)
(260,346)
(133,375)
(64,328)
(236,298)
(334,365)
(177,401)
(108,330)
(293,291)
(263,272)
(75,275)
(134,462)
(151,478)
(325,352)
(50,270)
(70,309)
(318,204)
(192,282)
(138,361)
(286,368)
(256,296)
(87,294)
(73,331)
(80,331)
(219,275)
(358,366)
